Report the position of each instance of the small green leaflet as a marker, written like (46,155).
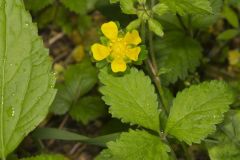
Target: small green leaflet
(178,53)
(26,81)
(228,34)
(136,145)
(79,80)
(46,157)
(228,138)
(87,109)
(184,7)
(231,16)
(197,110)
(127,6)
(131,98)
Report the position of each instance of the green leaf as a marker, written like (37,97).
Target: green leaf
(77,6)
(200,21)
(132,93)
(79,80)
(134,24)
(228,139)
(114,1)
(51,133)
(26,81)
(104,155)
(156,27)
(36,5)
(183,7)
(137,145)
(179,54)
(87,109)
(46,157)
(160,9)
(231,16)
(228,34)
(196,110)
(127,6)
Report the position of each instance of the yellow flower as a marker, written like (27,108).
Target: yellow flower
(120,49)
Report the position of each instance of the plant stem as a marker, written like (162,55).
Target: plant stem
(182,23)
(185,148)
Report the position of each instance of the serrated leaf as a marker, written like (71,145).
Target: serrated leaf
(77,6)
(228,34)
(197,110)
(132,93)
(47,157)
(183,7)
(36,5)
(87,109)
(104,155)
(156,27)
(127,6)
(79,80)
(26,81)
(202,21)
(137,145)
(178,53)
(228,139)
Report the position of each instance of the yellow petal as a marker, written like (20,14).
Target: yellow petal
(132,38)
(133,53)
(110,30)
(118,65)
(100,51)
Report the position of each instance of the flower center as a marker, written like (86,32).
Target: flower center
(118,48)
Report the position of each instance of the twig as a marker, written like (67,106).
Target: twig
(55,38)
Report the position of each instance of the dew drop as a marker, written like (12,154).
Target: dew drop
(26,24)
(11,112)
(11,64)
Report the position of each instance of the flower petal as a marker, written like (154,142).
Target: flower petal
(133,53)
(99,51)
(118,65)
(110,30)
(133,38)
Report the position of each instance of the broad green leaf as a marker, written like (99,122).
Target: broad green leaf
(87,109)
(178,53)
(77,6)
(127,6)
(47,157)
(26,81)
(228,139)
(156,27)
(228,34)
(196,110)
(79,80)
(183,7)
(137,145)
(36,5)
(131,98)
(231,16)
(200,21)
